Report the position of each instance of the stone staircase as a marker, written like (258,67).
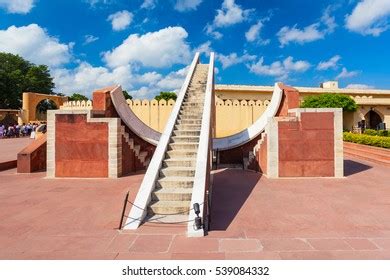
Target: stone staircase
(140,155)
(171,198)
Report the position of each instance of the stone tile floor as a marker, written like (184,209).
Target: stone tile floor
(252,218)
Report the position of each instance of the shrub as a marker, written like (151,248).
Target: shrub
(330,100)
(377,141)
(373,132)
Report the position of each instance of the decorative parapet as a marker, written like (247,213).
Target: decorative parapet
(72,105)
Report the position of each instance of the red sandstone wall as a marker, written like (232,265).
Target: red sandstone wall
(290,100)
(306,148)
(81,148)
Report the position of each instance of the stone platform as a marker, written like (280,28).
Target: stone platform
(252,218)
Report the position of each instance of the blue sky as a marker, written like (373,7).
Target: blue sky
(145,45)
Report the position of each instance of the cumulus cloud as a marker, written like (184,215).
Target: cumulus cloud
(17,6)
(332,63)
(359,86)
(86,78)
(162,48)
(347,74)
(369,17)
(149,4)
(212,32)
(204,48)
(94,3)
(120,20)
(88,39)
(310,33)
(187,5)
(171,82)
(279,69)
(34,44)
(230,13)
(253,34)
(233,59)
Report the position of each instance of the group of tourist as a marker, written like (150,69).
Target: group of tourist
(16,131)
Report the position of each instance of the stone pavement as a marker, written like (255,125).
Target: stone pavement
(10,147)
(252,218)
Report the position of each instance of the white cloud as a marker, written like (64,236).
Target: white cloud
(210,30)
(171,82)
(162,48)
(347,74)
(143,92)
(34,44)
(279,69)
(230,13)
(233,59)
(253,34)
(149,78)
(204,48)
(88,39)
(330,64)
(94,3)
(17,6)
(85,78)
(359,86)
(120,20)
(369,17)
(310,33)
(149,4)
(187,5)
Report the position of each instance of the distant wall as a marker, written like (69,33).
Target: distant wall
(232,116)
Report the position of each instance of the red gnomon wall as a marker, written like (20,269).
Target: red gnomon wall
(81,148)
(306,147)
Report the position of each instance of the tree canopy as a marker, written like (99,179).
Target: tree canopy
(127,95)
(330,100)
(77,97)
(18,75)
(166,96)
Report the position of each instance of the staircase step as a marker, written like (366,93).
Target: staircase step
(189,121)
(186,132)
(181,153)
(182,146)
(177,161)
(187,127)
(156,219)
(169,207)
(178,171)
(185,139)
(172,194)
(175,182)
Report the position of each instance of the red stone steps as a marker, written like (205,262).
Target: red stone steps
(369,153)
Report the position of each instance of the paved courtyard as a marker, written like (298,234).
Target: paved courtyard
(252,218)
(9,148)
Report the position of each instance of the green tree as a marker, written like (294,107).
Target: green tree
(17,76)
(330,100)
(127,95)
(166,96)
(77,97)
